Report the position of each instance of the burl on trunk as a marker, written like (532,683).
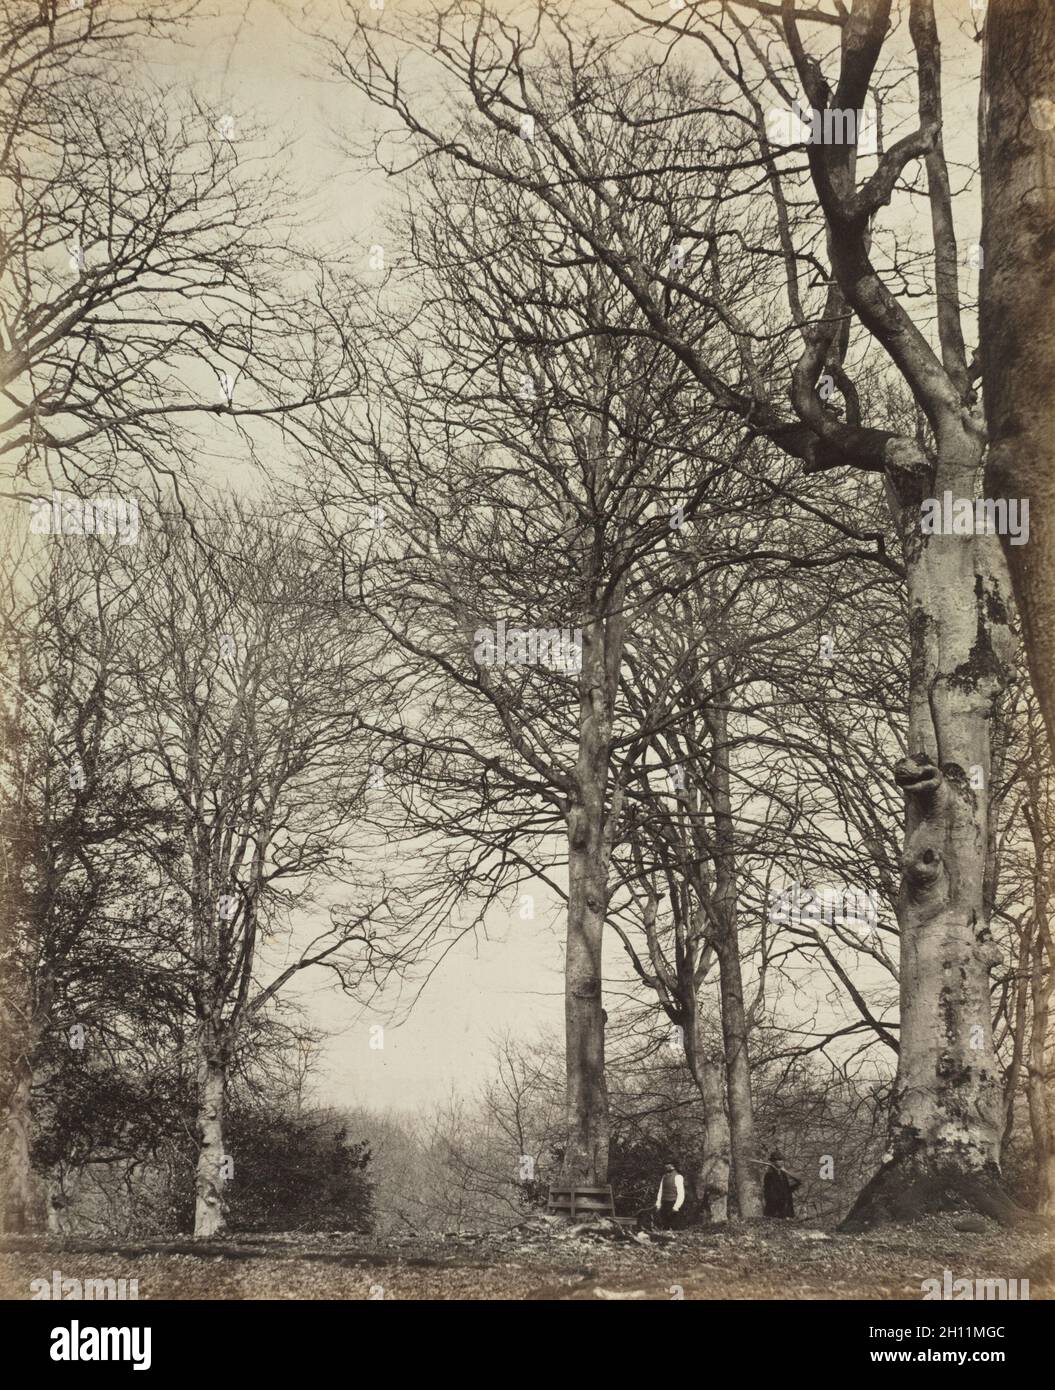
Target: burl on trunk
(947,1116)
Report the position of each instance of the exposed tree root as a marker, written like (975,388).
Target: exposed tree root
(905,1190)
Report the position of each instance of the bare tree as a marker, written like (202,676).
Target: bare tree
(1017,127)
(154,302)
(947,1119)
(945,1125)
(246,687)
(526,455)
(76,823)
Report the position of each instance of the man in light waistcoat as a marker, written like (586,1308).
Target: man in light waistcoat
(670,1198)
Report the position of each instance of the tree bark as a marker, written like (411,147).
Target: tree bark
(23,1197)
(210,1209)
(712,1174)
(730,977)
(738,1075)
(947,1115)
(586,1151)
(1017,306)
(22,1208)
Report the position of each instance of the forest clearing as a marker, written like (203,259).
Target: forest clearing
(756,1262)
(527,658)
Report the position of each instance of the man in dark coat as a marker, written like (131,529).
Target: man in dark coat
(777,1187)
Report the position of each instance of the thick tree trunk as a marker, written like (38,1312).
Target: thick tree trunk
(23,1202)
(738,1076)
(712,1175)
(1017,350)
(23,1195)
(586,1155)
(679,993)
(209,1206)
(586,1151)
(947,1113)
(1017,306)
(731,984)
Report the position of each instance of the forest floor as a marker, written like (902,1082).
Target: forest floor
(783,1260)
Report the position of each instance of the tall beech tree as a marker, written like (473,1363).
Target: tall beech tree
(246,689)
(843,309)
(77,820)
(1017,337)
(150,279)
(534,463)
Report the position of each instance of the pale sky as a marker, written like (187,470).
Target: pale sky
(248,59)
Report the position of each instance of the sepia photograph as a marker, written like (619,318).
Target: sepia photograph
(527,672)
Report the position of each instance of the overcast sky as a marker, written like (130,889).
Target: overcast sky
(248,59)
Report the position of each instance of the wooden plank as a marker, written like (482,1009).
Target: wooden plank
(575,1200)
(579,1187)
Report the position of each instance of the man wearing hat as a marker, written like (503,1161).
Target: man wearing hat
(670,1198)
(777,1187)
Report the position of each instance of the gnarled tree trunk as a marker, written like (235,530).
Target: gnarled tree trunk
(1017,306)
(947,1115)
(210,1217)
(712,1172)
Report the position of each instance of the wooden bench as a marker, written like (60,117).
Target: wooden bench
(577,1202)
